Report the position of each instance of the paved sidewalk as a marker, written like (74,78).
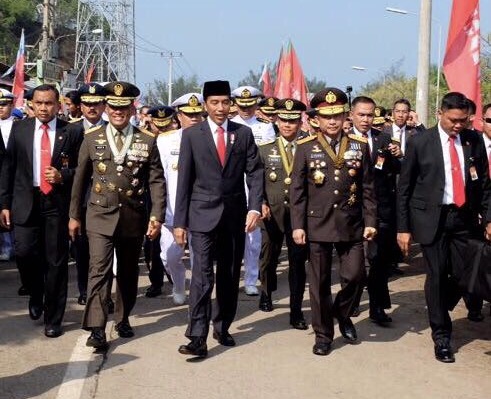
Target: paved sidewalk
(271,360)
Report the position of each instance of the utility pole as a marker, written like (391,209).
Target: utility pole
(170,56)
(44,44)
(424,47)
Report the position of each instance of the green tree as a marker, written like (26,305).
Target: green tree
(158,92)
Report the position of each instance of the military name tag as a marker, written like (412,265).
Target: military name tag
(174,152)
(100,147)
(319,155)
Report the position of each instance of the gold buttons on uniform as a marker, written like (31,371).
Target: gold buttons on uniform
(336,178)
(336,192)
(335,205)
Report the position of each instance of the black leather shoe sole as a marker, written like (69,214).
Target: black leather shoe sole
(321,349)
(35,310)
(53,332)
(224,339)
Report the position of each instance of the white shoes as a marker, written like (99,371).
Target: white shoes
(251,290)
(179,298)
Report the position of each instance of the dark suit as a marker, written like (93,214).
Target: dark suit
(277,228)
(332,202)
(442,230)
(41,221)
(211,203)
(116,216)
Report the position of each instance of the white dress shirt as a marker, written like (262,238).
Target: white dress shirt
(36,148)
(214,127)
(445,143)
(399,133)
(285,142)
(369,137)
(6,127)
(487,144)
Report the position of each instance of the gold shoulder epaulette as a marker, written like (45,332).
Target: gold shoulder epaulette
(307,139)
(147,132)
(92,129)
(74,120)
(267,142)
(262,120)
(358,138)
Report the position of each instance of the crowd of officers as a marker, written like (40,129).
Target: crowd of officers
(319,177)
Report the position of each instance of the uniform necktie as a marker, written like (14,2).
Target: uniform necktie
(119,140)
(457,179)
(44,186)
(368,144)
(333,145)
(221,144)
(289,153)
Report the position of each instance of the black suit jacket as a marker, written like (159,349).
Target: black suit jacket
(205,190)
(16,182)
(422,182)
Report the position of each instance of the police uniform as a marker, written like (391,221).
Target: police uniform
(248,96)
(116,210)
(277,157)
(332,201)
(267,108)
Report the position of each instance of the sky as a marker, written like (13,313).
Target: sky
(223,39)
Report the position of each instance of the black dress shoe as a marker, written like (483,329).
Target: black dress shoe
(265,303)
(443,353)
(356,311)
(153,291)
(53,331)
(348,330)
(321,349)
(124,329)
(97,339)
(197,347)
(299,324)
(110,306)
(22,291)
(378,315)
(224,339)
(82,299)
(475,315)
(35,309)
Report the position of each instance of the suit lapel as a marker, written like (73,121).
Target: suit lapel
(467,150)
(30,141)
(435,149)
(210,143)
(60,139)
(231,138)
(375,145)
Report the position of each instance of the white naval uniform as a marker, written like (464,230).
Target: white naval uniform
(262,132)
(171,254)
(6,127)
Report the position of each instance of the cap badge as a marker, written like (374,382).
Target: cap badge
(331,97)
(161,114)
(193,101)
(271,101)
(289,105)
(246,93)
(118,89)
(377,111)
(92,89)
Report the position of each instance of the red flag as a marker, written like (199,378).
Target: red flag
(461,63)
(18,86)
(266,81)
(290,81)
(90,72)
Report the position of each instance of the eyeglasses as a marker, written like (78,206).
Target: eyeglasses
(487,120)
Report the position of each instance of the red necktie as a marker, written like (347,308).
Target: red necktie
(457,180)
(44,186)
(221,144)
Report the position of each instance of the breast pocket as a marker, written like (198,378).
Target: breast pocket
(99,200)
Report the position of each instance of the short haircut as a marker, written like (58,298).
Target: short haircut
(362,99)
(485,108)
(455,100)
(472,107)
(74,97)
(46,87)
(402,101)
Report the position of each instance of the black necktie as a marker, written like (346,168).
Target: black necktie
(333,144)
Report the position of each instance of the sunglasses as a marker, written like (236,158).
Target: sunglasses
(487,120)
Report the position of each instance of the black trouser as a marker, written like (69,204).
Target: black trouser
(352,276)
(82,256)
(441,290)
(41,250)
(272,241)
(226,245)
(156,273)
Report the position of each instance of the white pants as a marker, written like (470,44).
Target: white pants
(171,255)
(251,257)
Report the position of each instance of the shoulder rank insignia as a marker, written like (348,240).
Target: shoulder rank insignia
(262,120)
(358,138)
(147,132)
(307,139)
(74,120)
(92,129)
(267,142)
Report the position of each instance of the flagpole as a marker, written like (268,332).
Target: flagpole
(424,47)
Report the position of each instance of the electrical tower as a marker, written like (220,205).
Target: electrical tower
(105,44)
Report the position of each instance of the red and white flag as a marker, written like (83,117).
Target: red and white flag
(266,81)
(461,64)
(90,72)
(19,85)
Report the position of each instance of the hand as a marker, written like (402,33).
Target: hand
(52,176)
(5,218)
(395,150)
(415,118)
(404,239)
(180,236)
(369,233)
(487,234)
(299,236)
(251,221)
(266,212)
(74,226)
(153,229)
